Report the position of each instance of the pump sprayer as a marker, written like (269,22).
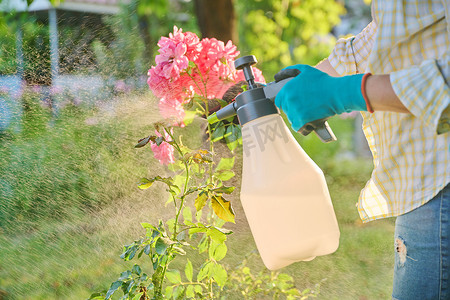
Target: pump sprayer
(284,193)
(255,103)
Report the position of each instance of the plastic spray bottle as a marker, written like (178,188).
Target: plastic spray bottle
(284,193)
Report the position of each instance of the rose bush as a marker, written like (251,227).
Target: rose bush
(188,74)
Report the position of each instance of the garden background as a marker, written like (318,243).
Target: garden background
(68,170)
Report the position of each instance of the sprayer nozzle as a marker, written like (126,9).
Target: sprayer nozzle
(213,119)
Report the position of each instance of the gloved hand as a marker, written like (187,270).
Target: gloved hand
(314,95)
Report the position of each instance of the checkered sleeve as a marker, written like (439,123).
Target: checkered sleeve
(350,55)
(425,91)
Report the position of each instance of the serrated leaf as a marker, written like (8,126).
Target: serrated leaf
(218,133)
(223,208)
(125,275)
(203,245)
(97,296)
(205,271)
(189,115)
(225,189)
(114,286)
(173,276)
(178,292)
(136,270)
(218,251)
(138,296)
(216,235)
(162,244)
(127,286)
(232,136)
(146,225)
(169,292)
(145,183)
(170,225)
(219,274)
(225,175)
(142,142)
(147,249)
(225,164)
(189,270)
(200,201)
(190,291)
(198,289)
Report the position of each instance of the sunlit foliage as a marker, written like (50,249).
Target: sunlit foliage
(280,33)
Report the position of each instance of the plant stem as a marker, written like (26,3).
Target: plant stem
(211,147)
(183,198)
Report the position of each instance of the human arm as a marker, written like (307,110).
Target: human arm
(378,88)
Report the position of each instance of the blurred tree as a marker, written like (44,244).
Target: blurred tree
(284,32)
(216,19)
(8,62)
(149,12)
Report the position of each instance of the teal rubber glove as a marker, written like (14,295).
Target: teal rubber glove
(314,95)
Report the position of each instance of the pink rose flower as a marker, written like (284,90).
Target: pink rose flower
(165,151)
(187,65)
(172,109)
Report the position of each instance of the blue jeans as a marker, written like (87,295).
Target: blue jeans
(422,251)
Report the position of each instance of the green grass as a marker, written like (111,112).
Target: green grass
(70,247)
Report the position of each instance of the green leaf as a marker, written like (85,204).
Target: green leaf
(125,275)
(136,270)
(222,208)
(162,244)
(217,251)
(171,224)
(142,142)
(187,214)
(224,230)
(147,249)
(225,164)
(145,183)
(189,115)
(138,296)
(169,292)
(114,286)
(216,235)
(198,289)
(96,296)
(205,271)
(232,136)
(219,274)
(198,215)
(203,244)
(173,276)
(189,270)
(225,189)
(218,133)
(178,292)
(146,225)
(200,201)
(190,291)
(225,175)
(127,286)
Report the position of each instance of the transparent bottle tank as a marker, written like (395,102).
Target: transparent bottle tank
(285,196)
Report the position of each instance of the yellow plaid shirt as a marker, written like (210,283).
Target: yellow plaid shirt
(410,40)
